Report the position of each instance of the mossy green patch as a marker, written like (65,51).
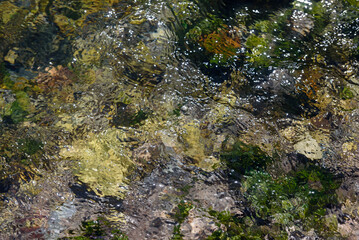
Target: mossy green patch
(243,157)
(98,229)
(177,111)
(3,72)
(138,117)
(300,199)
(5,80)
(232,227)
(20,108)
(346,93)
(204,27)
(182,212)
(30,146)
(294,201)
(354,3)
(257,51)
(214,39)
(17,113)
(130,117)
(91,229)
(279,39)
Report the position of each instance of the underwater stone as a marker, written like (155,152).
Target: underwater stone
(301,22)
(62,213)
(23,3)
(280,81)
(7,11)
(309,147)
(197,227)
(11,56)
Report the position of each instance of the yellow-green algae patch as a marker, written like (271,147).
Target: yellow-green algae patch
(198,145)
(72,16)
(193,141)
(101,161)
(7,11)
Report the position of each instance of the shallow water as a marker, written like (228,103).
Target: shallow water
(179,119)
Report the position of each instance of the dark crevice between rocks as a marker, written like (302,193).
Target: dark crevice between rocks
(83,192)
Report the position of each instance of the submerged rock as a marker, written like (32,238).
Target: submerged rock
(280,82)
(302,23)
(309,147)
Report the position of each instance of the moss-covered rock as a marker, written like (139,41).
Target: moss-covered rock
(243,157)
(302,196)
(99,228)
(280,204)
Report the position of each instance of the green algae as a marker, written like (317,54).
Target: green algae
(5,80)
(299,200)
(21,157)
(346,93)
(208,34)
(204,27)
(243,157)
(353,2)
(30,146)
(302,197)
(231,227)
(20,108)
(4,76)
(182,211)
(257,48)
(138,117)
(288,41)
(177,111)
(98,229)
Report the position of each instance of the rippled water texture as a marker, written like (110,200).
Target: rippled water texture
(179,119)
